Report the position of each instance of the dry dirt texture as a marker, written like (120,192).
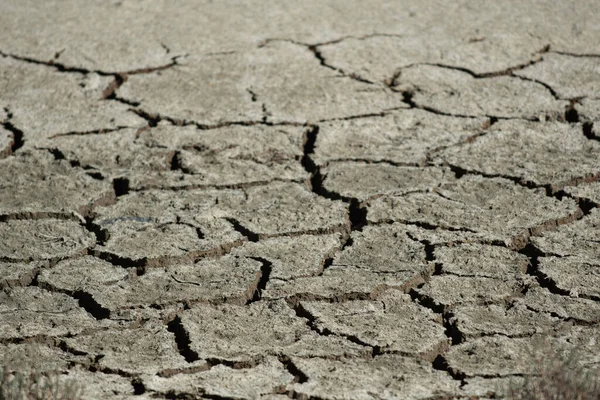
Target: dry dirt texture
(315,200)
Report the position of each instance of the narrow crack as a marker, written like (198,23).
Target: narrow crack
(138,386)
(182,340)
(121,186)
(265,269)
(311,321)
(588,131)
(84,299)
(297,373)
(18,135)
(247,233)
(79,70)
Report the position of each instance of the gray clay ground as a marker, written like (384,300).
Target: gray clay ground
(316,199)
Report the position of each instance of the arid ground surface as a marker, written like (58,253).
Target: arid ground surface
(315,199)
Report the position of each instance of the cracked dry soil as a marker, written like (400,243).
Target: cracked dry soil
(315,200)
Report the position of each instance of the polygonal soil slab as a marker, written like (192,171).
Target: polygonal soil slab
(378,57)
(516,321)
(227,279)
(244,334)
(480,356)
(570,308)
(342,283)
(31,311)
(148,349)
(228,156)
(48,239)
(386,376)
(285,209)
(270,376)
(41,356)
(367,181)
(18,274)
(569,76)
(183,225)
(577,276)
(579,239)
(94,385)
(111,154)
(463,94)
(475,274)
(36,185)
(401,137)
(292,257)
(294,87)
(480,260)
(448,291)
(161,227)
(550,153)
(64,96)
(392,324)
(384,249)
(208,90)
(379,258)
(493,209)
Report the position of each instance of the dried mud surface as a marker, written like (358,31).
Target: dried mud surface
(314,200)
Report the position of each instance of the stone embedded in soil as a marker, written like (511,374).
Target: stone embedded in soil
(18,274)
(31,311)
(494,209)
(481,261)
(570,77)
(392,324)
(228,279)
(547,153)
(476,321)
(148,349)
(47,239)
(36,185)
(270,376)
(401,137)
(367,181)
(386,376)
(292,257)
(463,94)
(61,97)
(244,334)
